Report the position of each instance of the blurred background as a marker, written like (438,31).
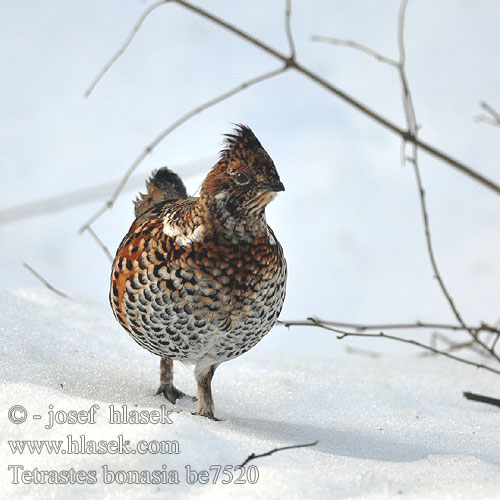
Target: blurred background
(349,220)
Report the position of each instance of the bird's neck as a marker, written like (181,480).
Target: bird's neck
(233,223)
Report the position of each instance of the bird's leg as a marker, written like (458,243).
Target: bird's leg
(167,387)
(204,377)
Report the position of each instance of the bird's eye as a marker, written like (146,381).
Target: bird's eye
(241,178)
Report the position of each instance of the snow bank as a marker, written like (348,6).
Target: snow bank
(386,428)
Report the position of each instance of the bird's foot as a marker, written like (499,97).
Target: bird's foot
(208,415)
(172,393)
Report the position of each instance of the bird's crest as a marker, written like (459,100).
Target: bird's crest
(240,143)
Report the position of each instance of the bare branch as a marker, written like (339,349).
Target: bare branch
(288,29)
(44,281)
(345,97)
(411,120)
(100,243)
(125,44)
(392,326)
(290,62)
(495,342)
(413,132)
(491,111)
(341,334)
(487,120)
(481,399)
(480,348)
(412,136)
(492,119)
(62,201)
(82,196)
(357,46)
(149,148)
(453,346)
(230,27)
(253,456)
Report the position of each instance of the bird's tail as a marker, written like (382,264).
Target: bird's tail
(163,185)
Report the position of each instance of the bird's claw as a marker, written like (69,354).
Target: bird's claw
(172,393)
(206,415)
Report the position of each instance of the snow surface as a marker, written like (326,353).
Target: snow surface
(386,428)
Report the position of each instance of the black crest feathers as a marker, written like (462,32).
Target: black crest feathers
(242,138)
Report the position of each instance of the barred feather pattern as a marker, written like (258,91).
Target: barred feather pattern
(202,280)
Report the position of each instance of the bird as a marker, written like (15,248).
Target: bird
(202,280)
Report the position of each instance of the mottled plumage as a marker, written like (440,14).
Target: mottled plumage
(202,280)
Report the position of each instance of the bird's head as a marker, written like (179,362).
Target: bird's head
(244,180)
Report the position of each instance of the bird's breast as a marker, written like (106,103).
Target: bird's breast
(172,296)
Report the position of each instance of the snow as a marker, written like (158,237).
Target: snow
(386,428)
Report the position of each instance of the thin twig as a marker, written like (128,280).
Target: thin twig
(61,201)
(288,29)
(345,97)
(413,131)
(212,102)
(253,456)
(343,334)
(453,346)
(100,243)
(486,119)
(491,111)
(44,281)
(495,341)
(125,44)
(391,326)
(412,137)
(88,194)
(290,62)
(492,119)
(481,399)
(357,46)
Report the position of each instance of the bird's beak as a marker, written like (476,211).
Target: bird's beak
(275,186)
